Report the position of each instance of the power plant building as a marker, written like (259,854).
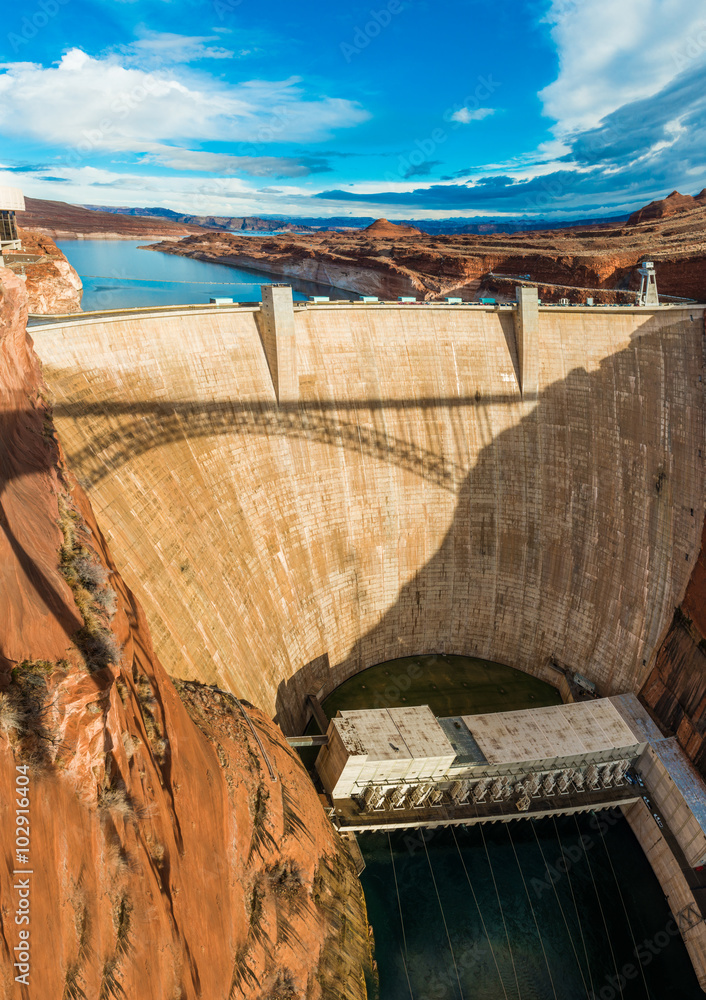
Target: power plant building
(387,747)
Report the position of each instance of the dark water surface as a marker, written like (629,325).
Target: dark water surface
(117,275)
(450,685)
(584,934)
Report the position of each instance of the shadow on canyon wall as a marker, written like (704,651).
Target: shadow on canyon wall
(28,457)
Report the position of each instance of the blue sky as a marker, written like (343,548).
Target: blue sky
(403,108)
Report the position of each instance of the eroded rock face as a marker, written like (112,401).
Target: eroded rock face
(51,283)
(673,204)
(389,260)
(166,861)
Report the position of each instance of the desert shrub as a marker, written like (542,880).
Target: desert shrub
(108,600)
(88,579)
(25,712)
(91,573)
(11,714)
(116,800)
(283,987)
(285,878)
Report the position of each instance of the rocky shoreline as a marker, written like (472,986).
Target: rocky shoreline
(390,261)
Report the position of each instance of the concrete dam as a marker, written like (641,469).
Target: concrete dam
(389,479)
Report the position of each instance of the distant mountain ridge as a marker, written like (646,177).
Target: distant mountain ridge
(228,223)
(301,224)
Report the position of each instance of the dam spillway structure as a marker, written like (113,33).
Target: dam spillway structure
(297,493)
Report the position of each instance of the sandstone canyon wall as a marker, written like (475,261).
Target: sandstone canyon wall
(410,501)
(51,283)
(166,862)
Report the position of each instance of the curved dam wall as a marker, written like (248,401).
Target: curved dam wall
(410,500)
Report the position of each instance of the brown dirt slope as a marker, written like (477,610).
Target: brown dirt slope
(63,221)
(165,861)
(565,263)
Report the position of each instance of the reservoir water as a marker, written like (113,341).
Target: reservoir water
(116,274)
(485,913)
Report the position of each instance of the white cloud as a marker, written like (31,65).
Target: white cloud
(101,105)
(612,53)
(177,48)
(467,115)
(223,163)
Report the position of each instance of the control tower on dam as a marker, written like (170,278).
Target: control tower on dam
(297,493)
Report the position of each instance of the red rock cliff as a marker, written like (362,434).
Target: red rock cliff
(51,283)
(166,863)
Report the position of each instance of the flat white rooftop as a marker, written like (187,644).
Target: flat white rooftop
(394,733)
(544,733)
(11,199)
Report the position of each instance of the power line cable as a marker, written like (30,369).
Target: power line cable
(534,915)
(446,927)
(576,909)
(475,900)
(500,905)
(625,910)
(405,954)
(561,908)
(600,907)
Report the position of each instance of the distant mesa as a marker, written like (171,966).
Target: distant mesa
(382,227)
(673,204)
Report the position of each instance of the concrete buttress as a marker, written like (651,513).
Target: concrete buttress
(278,338)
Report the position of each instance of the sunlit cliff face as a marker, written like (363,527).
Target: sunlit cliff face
(409,501)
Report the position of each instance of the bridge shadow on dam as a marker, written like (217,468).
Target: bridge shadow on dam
(137,428)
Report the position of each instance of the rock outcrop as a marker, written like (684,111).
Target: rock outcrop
(675,691)
(166,862)
(383,228)
(52,284)
(673,204)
